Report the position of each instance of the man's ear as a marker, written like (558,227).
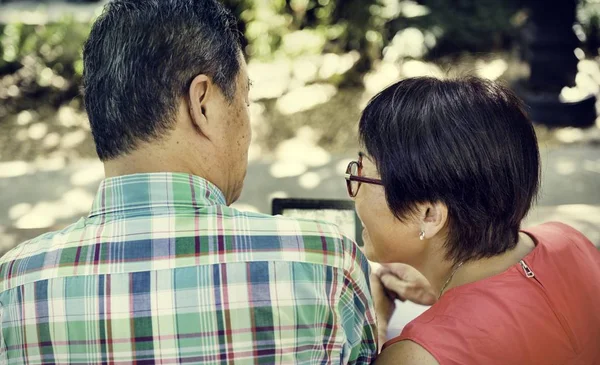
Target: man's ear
(200,93)
(434,218)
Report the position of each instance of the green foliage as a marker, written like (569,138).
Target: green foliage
(54,45)
(281,28)
(40,63)
(588,15)
(290,27)
(471,25)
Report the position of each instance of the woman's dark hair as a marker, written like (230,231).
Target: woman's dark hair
(140,58)
(465,142)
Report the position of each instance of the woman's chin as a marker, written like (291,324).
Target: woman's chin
(368,247)
(370,255)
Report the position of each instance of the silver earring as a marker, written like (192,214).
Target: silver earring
(422,235)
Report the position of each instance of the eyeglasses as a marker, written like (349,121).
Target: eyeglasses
(353,178)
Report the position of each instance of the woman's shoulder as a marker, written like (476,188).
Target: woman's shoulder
(558,235)
(560,247)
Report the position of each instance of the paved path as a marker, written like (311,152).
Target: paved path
(47,194)
(571,175)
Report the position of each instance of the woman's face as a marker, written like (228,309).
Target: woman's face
(386,239)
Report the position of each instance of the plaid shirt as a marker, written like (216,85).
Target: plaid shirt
(163,271)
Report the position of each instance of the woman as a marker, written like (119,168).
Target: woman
(449,171)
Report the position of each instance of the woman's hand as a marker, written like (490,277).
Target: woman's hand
(396,281)
(384,306)
(406,283)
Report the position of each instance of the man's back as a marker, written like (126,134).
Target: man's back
(163,269)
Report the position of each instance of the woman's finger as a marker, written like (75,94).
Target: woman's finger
(393,283)
(414,292)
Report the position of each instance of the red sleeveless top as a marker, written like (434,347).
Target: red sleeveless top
(543,310)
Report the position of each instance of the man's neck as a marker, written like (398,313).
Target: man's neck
(145,161)
(128,166)
(156,157)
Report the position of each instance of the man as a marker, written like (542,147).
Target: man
(162,269)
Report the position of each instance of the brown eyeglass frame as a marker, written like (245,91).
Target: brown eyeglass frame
(360,179)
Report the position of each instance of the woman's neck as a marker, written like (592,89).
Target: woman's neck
(473,271)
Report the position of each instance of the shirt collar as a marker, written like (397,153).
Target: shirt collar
(155,190)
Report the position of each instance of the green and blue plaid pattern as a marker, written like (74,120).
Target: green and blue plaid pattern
(162,271)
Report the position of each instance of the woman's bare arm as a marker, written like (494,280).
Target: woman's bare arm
(405,353)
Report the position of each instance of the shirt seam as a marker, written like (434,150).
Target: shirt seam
(342,270)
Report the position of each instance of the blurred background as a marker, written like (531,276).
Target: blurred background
(314,65)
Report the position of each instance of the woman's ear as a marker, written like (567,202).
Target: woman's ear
(434,218)
(200,93)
